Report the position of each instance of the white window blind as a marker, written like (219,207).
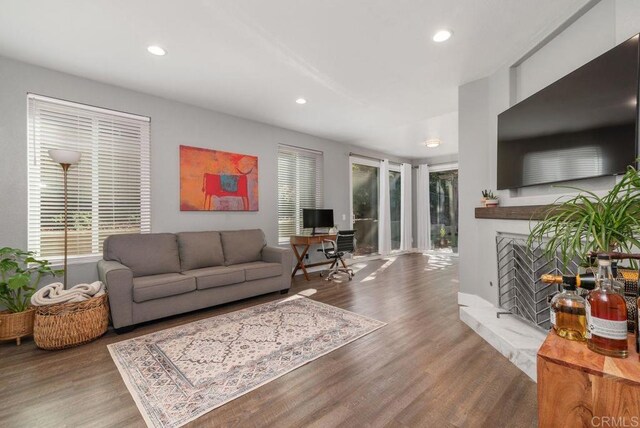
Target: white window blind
(108,190)
(300,185)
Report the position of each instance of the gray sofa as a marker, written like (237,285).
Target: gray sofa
(150,276)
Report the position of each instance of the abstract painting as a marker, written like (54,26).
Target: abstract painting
(212,180)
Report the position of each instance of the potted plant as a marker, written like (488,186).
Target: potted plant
(489,199)
(587,223)
(443,237)
(20,274)
(483,199)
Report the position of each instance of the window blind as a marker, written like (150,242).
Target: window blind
(109,190)
(300,185)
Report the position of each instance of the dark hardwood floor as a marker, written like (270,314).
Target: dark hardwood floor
(424,369)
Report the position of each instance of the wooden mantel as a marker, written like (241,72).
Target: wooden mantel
(526,212)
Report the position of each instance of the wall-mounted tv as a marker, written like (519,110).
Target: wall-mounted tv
(584,125)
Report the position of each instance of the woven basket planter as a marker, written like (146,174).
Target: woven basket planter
(16,325)
(70,324)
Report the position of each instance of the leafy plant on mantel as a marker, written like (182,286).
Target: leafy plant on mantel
(488,194)
(588,223)
(20,274)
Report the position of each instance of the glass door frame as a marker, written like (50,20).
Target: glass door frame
(367,162)
(397,168)
(377,164)
(451,166)
(443,167)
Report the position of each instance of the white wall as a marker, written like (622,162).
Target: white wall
(591,35)
(172,124)
(473,176)
(436,160)
(608,23)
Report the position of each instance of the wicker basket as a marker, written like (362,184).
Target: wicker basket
(71,324)
(16,325)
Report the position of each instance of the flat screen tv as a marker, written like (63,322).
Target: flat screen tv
(584,125)
(312,218)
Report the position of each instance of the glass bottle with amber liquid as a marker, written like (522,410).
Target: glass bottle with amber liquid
(606,315)
(568,312)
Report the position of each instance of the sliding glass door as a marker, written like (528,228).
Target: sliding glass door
(365,191)
(395,202)
(443,201)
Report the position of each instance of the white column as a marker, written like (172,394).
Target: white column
(423,212)
(406,237)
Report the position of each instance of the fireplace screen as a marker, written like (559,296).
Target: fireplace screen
(519,269)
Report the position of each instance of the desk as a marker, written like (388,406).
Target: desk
(304,242)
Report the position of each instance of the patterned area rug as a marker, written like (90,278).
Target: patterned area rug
(178,374)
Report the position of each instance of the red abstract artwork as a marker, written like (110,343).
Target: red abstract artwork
(212,180)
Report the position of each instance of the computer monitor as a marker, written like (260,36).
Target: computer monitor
(313,218)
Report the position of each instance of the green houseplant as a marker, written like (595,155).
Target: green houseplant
(20,274)
(489,199)
(443,237)
(588,223)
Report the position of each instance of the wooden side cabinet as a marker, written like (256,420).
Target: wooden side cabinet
(580,388)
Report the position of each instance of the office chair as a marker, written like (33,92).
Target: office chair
(344,243)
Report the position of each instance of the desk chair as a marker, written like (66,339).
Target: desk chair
(344,243)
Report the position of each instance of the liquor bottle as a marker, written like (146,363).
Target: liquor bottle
(606,315)
(568,313)
(586,280)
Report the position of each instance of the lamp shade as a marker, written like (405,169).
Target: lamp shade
(69,157)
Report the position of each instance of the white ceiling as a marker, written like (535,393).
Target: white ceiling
(368,68)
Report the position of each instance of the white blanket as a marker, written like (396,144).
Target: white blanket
(55,293)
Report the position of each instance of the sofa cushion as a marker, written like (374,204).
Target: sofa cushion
(260,270)
(217,276)
(144,253)
(242,246)
(158,286)
(200,250)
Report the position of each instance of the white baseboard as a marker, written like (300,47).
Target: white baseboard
(433,252)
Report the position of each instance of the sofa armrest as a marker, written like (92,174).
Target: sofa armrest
(280,255)
(119,282)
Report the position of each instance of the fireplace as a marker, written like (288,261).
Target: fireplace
(520,290)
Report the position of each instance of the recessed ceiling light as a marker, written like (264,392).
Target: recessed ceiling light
(432,143)
(301,101)
(442,36)
(156,50)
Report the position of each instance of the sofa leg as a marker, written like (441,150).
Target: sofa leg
(126,329)
(284,291)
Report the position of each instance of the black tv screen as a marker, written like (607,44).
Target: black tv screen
(312,218)
(584,125)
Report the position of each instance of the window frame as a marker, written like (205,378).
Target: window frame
(35,149)
(319,176)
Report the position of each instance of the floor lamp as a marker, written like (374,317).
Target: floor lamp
(65,158)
